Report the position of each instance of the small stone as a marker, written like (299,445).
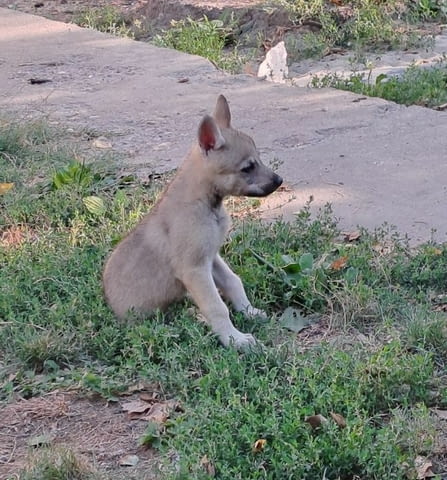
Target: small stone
(129,461)
(274,67)
(102,142)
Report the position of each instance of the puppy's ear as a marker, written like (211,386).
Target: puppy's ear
(209,135)
(222,112)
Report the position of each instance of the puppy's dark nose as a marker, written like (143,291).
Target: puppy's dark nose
(277,180)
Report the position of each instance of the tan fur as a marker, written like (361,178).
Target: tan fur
(175,248)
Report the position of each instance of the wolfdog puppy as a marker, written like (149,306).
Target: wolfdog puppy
(174,250)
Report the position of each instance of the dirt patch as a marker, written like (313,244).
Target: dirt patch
(157,14)
(98,432)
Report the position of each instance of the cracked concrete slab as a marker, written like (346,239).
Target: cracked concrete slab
(375,161)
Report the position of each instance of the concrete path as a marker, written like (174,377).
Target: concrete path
(373,160)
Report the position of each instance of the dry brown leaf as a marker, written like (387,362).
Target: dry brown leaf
(352,236)
(259,445)
(5,187)
(207,465)
(423,468)
(316,421)
(338,419)
(148,397)
(136,406)
(339,263)
(160,412)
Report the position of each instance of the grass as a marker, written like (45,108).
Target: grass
(380,367)
(360,25)
(203,37)
(426,87)
(108,19)
(57,464)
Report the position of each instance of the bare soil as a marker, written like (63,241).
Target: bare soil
(100,434)
(156,14)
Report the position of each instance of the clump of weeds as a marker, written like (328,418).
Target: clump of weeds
(424,86)
(359,24)
(212,39)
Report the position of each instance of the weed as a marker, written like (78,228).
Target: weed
(203,37)
(57,464)
(106,19)
(358,25)
(428,10)
(416,86)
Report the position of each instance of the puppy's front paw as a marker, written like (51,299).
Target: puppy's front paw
(237,339)
(255,312)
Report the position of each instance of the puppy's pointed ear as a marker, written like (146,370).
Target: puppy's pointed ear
(222,112)
(209,134)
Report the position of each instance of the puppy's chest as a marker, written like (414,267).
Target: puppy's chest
(221,224)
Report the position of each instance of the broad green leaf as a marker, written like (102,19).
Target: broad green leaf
(94,205)
(380,78)
(351,275)
(293,320)
(306,261)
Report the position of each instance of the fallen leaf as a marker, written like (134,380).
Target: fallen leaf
(94,205)
(259,445)
(206,464)
(338,419)
(5,187)
(423,468)
(148,397)
(160,412)
(352,236)
(339,263)
(315,421)
(129,461)
(294,320)
(136,406)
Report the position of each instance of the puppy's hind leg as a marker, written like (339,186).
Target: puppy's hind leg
(232,289)
(200,284)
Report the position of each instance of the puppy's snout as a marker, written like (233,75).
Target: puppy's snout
(277,181)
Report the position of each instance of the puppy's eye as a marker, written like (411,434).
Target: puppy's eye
(248,168)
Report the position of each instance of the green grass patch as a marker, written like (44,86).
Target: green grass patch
(58,464)
(426,87)
(359,24)
(381,366)
(108,19)
(203,37)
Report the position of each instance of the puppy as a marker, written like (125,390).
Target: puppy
(174,250)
